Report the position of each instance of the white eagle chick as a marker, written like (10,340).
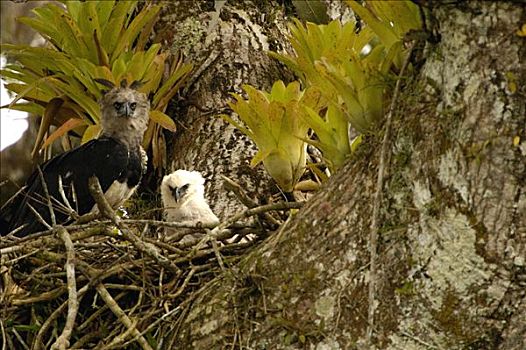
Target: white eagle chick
(183,195)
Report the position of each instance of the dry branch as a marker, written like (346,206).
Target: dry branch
(121,315)
(146,248)
(73,305)
(156,280)
(257,210)
(244,198)
(48,198)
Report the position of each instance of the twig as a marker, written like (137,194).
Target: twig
(154,324)
(121,315)
(37,342)
(4,337)
(98,225)
(71,212)
(183,286)
(97,313)
(102,203)
(13,233)
(95,276)
(217,254)
(62,341)
(375,221)
(19,192)
(257,210)
(21,257)
(45,296)
(87,218)
(219,229)
(19,338)
(200,253)
(86,230)
(48,198)
(124,287)
(39,217)
(244,198)
(116,342)
(418,340)
(79,344)
(48,242)
(233,186)
(146,248)
(170,224)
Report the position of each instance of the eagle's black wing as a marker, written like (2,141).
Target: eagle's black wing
(105,158)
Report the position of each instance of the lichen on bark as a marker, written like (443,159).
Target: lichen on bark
(453,234)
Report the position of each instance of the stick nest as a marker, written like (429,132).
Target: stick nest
(113,283)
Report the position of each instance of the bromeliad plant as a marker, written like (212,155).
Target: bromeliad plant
(351,67)
(390,21)
(275,121)
(348,70)
(332,134)
(329,57)
(85,41)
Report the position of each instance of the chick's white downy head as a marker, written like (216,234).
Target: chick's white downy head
(182,185)
(183,198)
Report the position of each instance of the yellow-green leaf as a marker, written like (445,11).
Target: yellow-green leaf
(63,130)
(47,119)
(259,157)
(356,142)
(31,108)
(163,120)
(91,133)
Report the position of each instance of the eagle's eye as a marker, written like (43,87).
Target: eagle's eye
(117,105)
(133,105)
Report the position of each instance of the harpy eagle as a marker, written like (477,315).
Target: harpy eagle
(116,158)
(183,195)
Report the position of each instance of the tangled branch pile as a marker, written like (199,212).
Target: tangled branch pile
(116,283)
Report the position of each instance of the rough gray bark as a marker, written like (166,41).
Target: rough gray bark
(452,246)
(228,48)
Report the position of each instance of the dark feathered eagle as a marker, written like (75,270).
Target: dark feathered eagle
(116,158)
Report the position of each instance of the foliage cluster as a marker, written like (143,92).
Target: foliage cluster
(85,41)
(350,67)
(271,119)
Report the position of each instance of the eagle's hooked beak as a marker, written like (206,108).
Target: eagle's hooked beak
(129,107)
(178,192)
(126,109)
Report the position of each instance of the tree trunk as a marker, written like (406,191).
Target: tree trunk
(228,48)
(451,254)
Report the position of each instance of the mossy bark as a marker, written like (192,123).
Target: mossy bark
(451,270)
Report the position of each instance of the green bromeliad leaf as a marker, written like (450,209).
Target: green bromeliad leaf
(332,133)
(273,120)
(89,40)
(353,68)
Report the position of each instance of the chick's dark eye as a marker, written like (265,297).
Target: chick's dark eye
(185,187)
(117,105)
(133,105)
